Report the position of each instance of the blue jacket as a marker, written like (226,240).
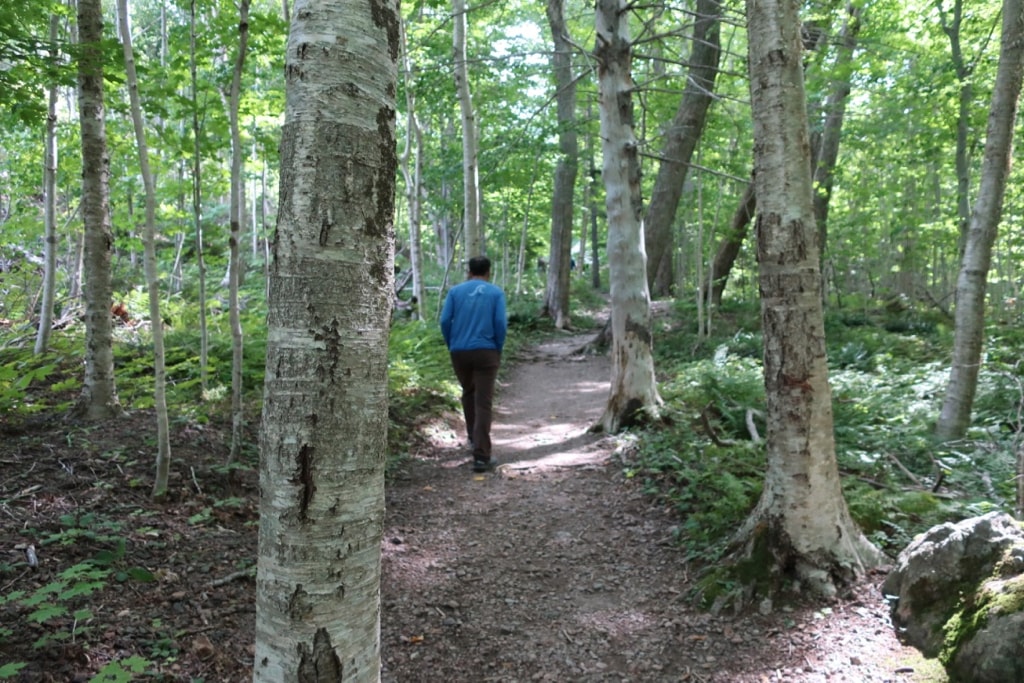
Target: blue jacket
(473,316)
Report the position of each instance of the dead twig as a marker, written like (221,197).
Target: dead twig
(705,420)
(234,576)
(751,427)
(910,475)
(195,482)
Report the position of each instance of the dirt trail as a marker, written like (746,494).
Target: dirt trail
(554,568)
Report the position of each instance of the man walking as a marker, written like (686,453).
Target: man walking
(474,326)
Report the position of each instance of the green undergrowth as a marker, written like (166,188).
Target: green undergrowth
(68,608)
(421,384)
(887,380)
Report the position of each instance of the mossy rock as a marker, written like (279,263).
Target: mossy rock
(958,594)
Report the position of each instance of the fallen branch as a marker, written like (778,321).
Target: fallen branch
(706,421)
(751,427)
(249,573)
(910,475)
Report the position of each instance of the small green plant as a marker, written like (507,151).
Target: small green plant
(11,669)
(16,377)
(87,526)
(54,601)
(122,670)
(59,603)
(201,517)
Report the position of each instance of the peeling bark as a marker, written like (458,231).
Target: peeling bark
(634,393)
(323,435)
(811,537)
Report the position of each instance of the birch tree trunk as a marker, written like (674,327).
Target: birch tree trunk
(556,296)
(49,207)
(633,397)
(163,458)
(951,27)
(235,241)
(197,207)
(99,392)
(324,428)
(411,162)
(801,523)
(470,138)
(680,142)
(835,113)
(593,180)
(971,284)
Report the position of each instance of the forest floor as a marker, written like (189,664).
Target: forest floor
(554,567)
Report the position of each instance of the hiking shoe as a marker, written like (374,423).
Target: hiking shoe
(480,465)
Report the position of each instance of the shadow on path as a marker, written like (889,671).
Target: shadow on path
(551,398)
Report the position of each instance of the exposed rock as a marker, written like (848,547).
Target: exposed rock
(957,593)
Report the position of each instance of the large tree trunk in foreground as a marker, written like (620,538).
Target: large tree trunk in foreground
(99,393)
(801,524)
(324,430)
(972,281)
(633,397)
(680,142)
(556,296)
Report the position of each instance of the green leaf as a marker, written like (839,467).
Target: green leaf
(11,597)
(46,612)
(41,594)
(121,671)
(141,574)
(8,670)
(105,558)
(82,588)
(84,571)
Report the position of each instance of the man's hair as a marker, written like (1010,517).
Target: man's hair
(479,265)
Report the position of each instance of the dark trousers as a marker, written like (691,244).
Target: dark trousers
(477,372)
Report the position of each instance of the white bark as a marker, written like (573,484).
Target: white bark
(634,393)
(197,207)
(470,138)
(556,297)
(99,393)
(802,518)
(235,252)
(163,458)
(324,427)
(412,172)
(49,209)
(984,226)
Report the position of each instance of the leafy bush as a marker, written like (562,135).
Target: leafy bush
(60,603)
(420,380)
(711,486)
(886,392)
(418,362)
